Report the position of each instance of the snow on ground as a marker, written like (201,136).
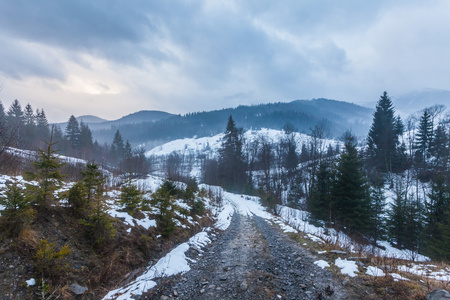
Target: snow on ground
(212,144)
(374,271)
(299,220)
(347,267)
(129,220)
(398,277)
(321,263)
(427,271)
(174,262)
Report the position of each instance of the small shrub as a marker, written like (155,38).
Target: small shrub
(77,200)
(131,197)
(198,208)
(48,261)
(163,200)
(99,228)
(18,211)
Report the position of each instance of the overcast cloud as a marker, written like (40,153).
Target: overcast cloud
(111,58)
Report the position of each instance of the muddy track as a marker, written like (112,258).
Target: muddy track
(252,259)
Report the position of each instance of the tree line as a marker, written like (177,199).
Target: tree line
(28,129)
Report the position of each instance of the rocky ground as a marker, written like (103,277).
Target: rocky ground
(252,259)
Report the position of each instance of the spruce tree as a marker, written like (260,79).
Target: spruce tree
(29,130)
(92,180)
(86,141)
(398,218)
(378,209)
(17,211)
(383,135)
(320,198)
(117,149)
(424,137)
(73,133)
(351,191)
(47,173)
(436,218)
(98,223)
(15,124)
(231,160)
(163,199)
(42,128)
(440,148)
(131,197)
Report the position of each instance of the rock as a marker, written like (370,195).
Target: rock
(175,293)
(202,291)
(363,259)
(438,295)
(78,289)
(338,252)
(243,286)
(164,297)
(223,278)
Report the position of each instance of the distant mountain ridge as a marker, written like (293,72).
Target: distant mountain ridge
(97,123)
(338,116)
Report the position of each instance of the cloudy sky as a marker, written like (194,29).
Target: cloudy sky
(110,58)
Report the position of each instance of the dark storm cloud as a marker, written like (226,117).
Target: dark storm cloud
(198,52)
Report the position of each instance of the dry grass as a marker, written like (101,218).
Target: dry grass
(369,287)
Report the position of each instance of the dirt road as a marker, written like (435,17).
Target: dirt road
(252,259)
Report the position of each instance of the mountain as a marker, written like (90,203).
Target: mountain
(337,117)
(96,123)
(89,119)
(141,116)
(415,101)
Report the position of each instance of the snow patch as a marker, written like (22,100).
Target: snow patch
(347,267)
(374,271)
(321,263)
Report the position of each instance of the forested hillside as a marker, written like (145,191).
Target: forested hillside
(336,116)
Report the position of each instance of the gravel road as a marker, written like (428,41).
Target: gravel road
(252,259)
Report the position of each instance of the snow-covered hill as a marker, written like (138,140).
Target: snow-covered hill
(210,145)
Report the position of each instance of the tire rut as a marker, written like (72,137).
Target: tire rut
(252,259)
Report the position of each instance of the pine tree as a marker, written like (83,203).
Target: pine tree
(378,209)
(405,222)
(73,133)
(424,137)
(92,180)
(78,200)
(440,148)
(15,124)
(350,190)
(320,199)
(383,135)
(86,141)
(163,199)
(29,130)
(436,218)
(231,159)
(397,217)
(47,174)
(17,211)
(131,196)
(98,223)
(117,149)
(43,131)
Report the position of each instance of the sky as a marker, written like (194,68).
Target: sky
(110,58)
